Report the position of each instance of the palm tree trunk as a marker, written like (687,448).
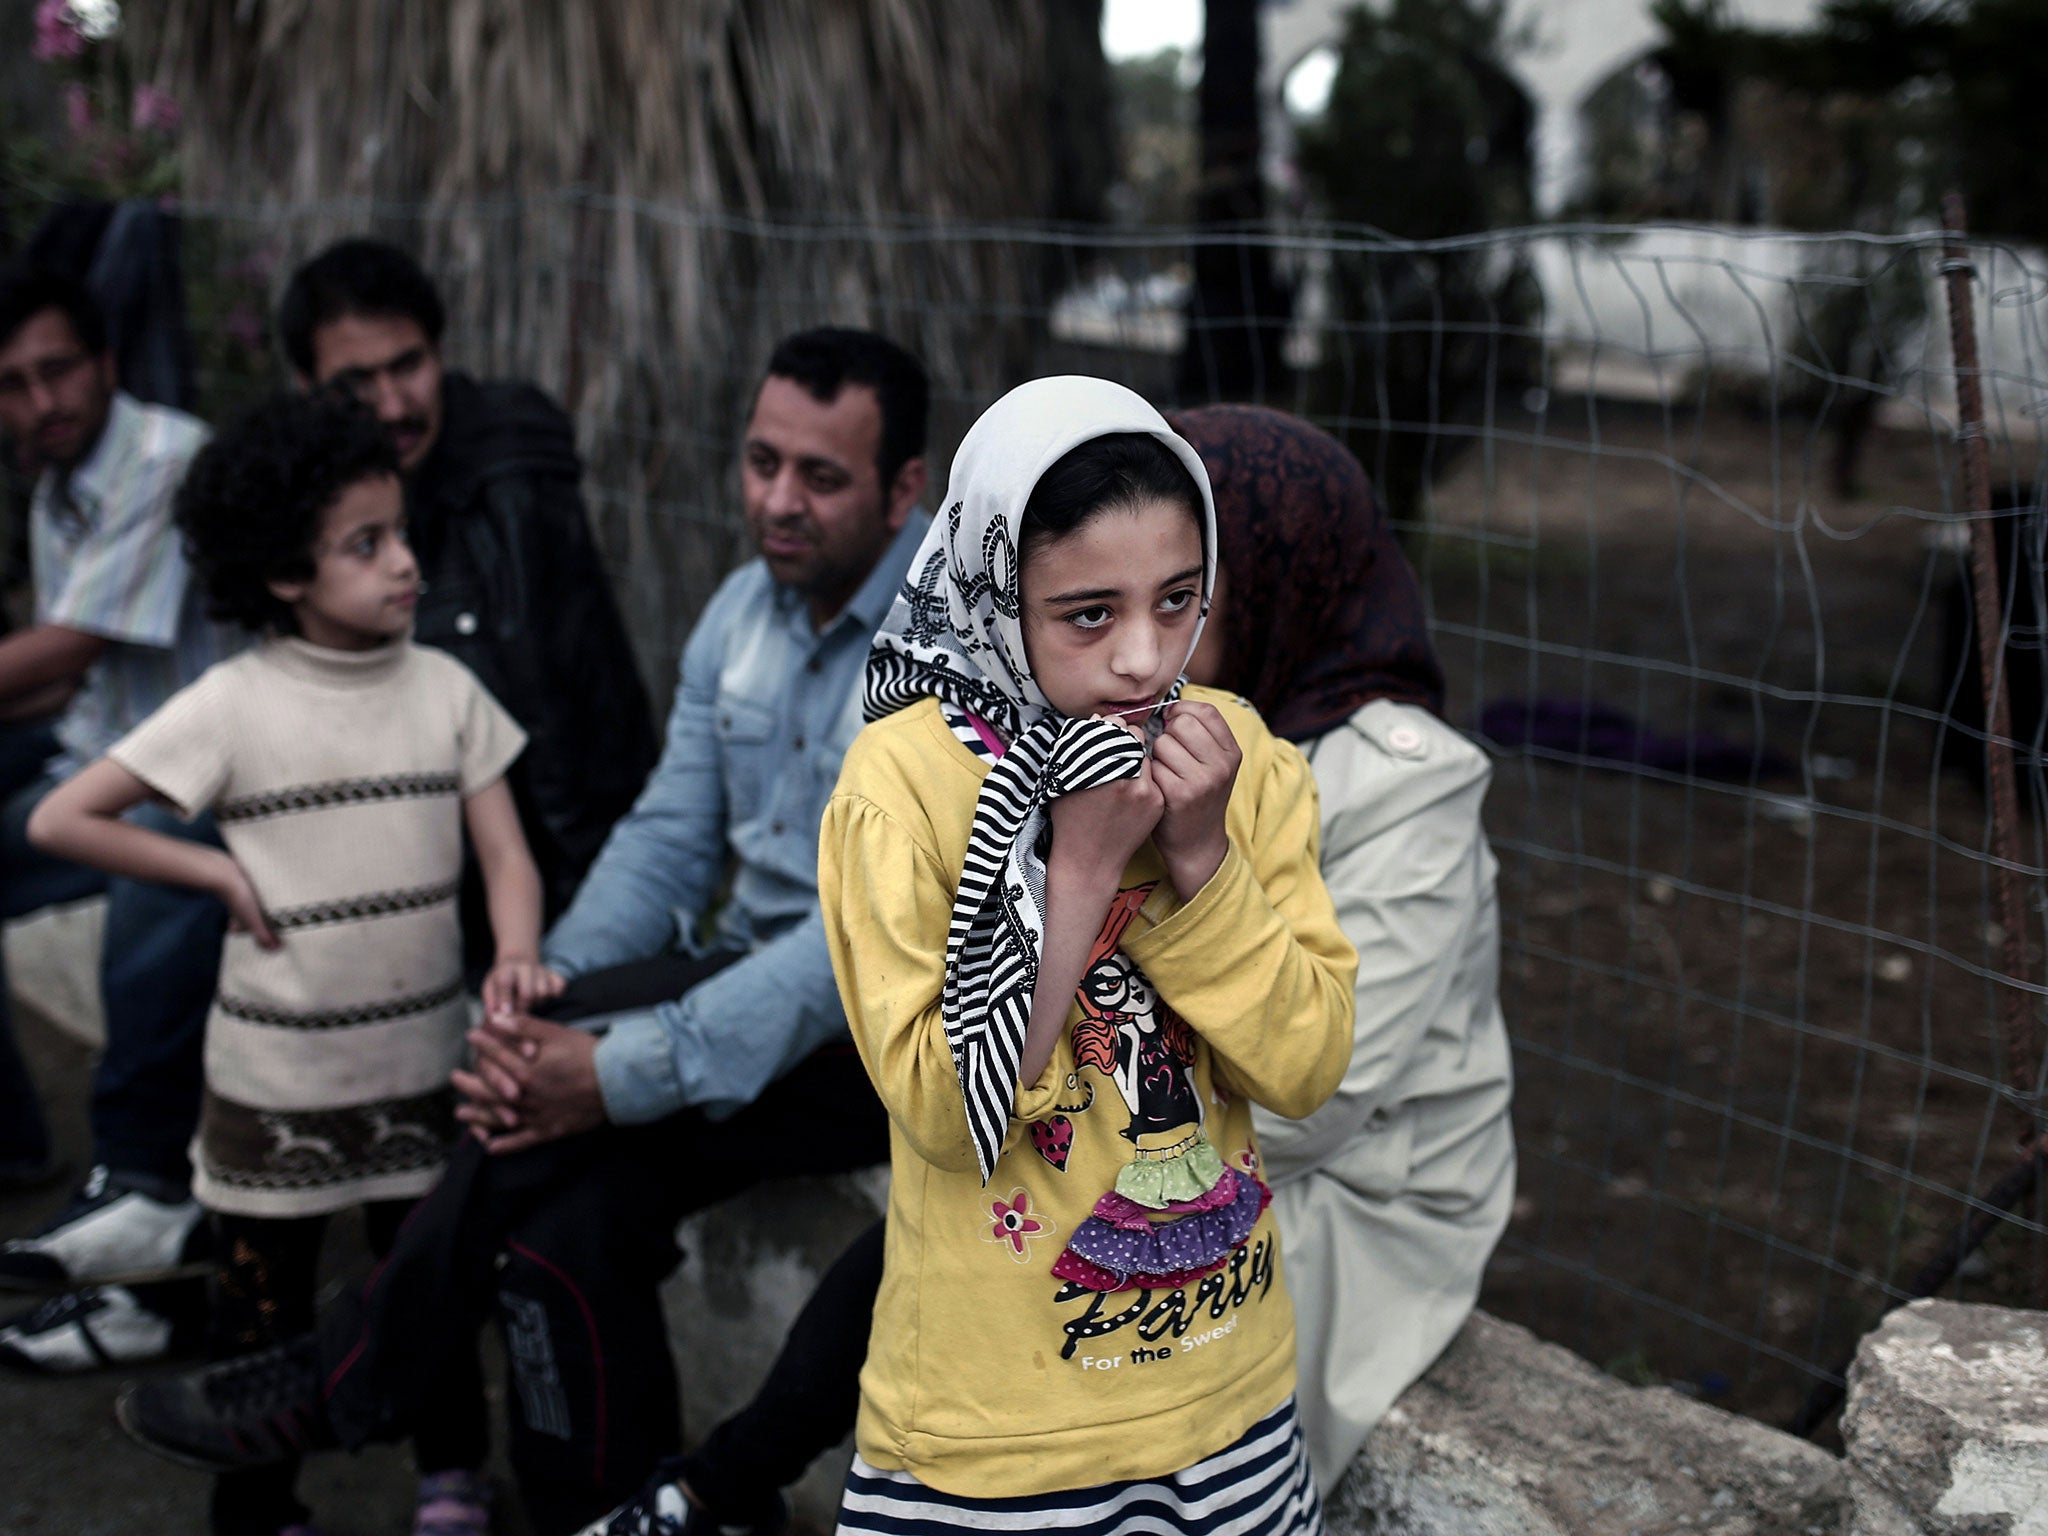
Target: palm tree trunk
(1238,309)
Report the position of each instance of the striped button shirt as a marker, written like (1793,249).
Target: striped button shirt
(107,559)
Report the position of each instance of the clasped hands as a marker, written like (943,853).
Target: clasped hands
(533,1080)
(1178,800)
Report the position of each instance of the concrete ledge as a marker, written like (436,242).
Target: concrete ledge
(1509,1436)
(53,966)
(748,1267)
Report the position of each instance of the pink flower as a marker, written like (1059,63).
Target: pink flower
(57,35)
(78,109)
(245,325)
(155,110)
(1011,1221)
(257,266)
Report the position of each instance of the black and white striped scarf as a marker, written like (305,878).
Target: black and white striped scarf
(955,633)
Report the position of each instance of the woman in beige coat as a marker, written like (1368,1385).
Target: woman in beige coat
(1392,1195)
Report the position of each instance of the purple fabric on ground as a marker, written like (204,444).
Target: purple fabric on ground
(1587,729)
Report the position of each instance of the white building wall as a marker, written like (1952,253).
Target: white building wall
(1574,46)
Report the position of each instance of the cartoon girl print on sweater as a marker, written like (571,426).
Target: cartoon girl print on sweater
(1132,1036)
(1153,1048)
(1128,1032)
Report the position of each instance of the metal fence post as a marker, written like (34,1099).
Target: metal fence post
(2023,1056)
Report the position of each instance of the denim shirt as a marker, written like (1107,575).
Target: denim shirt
(764,710)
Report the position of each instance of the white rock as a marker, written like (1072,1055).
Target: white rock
(1947,1423)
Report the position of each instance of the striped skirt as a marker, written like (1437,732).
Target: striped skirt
(1261,1486)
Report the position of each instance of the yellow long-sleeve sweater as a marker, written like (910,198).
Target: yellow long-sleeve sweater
(987,1374)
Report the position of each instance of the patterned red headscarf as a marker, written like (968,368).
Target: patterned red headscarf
(1322,611)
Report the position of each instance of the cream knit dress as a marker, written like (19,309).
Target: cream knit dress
(337,778)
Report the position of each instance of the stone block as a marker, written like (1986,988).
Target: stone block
(748,1267)
(1509,1436)
(1947,1423)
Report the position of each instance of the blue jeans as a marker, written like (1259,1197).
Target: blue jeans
(158,965)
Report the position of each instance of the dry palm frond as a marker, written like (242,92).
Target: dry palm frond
(629,200)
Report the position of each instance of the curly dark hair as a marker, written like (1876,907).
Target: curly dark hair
(251,504)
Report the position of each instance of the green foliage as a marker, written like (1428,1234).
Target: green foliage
(112,137)
(1635,1368)
(101,135)
(1905,99)
(1151,91)
(1425,134)
(1864,121)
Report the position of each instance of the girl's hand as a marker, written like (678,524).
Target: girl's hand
(516,983)
(1095,831)
(245,913)
(1194,762)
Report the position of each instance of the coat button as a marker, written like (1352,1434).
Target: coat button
(799,744)
(465,623)
(1406,740)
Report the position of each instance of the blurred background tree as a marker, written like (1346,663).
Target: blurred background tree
(1425,136)
(1081,127)
(1238,308)
(1862,121)
(617,199)
(1157,142)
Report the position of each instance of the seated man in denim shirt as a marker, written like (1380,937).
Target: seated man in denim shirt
(697,1066)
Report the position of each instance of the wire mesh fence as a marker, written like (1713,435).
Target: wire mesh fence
(1687,509)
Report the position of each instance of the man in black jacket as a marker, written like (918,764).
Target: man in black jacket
(514,585)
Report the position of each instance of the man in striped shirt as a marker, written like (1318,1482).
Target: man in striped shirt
(118,629)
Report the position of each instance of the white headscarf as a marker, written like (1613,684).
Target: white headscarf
(956,632)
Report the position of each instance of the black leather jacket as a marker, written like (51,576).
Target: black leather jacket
(515,589)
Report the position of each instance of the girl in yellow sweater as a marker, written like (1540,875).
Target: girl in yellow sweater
(1076,918)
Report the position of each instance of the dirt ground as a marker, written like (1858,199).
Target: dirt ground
(66,1469)
(1757,1016)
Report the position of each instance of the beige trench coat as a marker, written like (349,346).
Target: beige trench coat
(1391,1196)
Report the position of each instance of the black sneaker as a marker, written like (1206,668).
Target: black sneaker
(253,1411)
(659,1509)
